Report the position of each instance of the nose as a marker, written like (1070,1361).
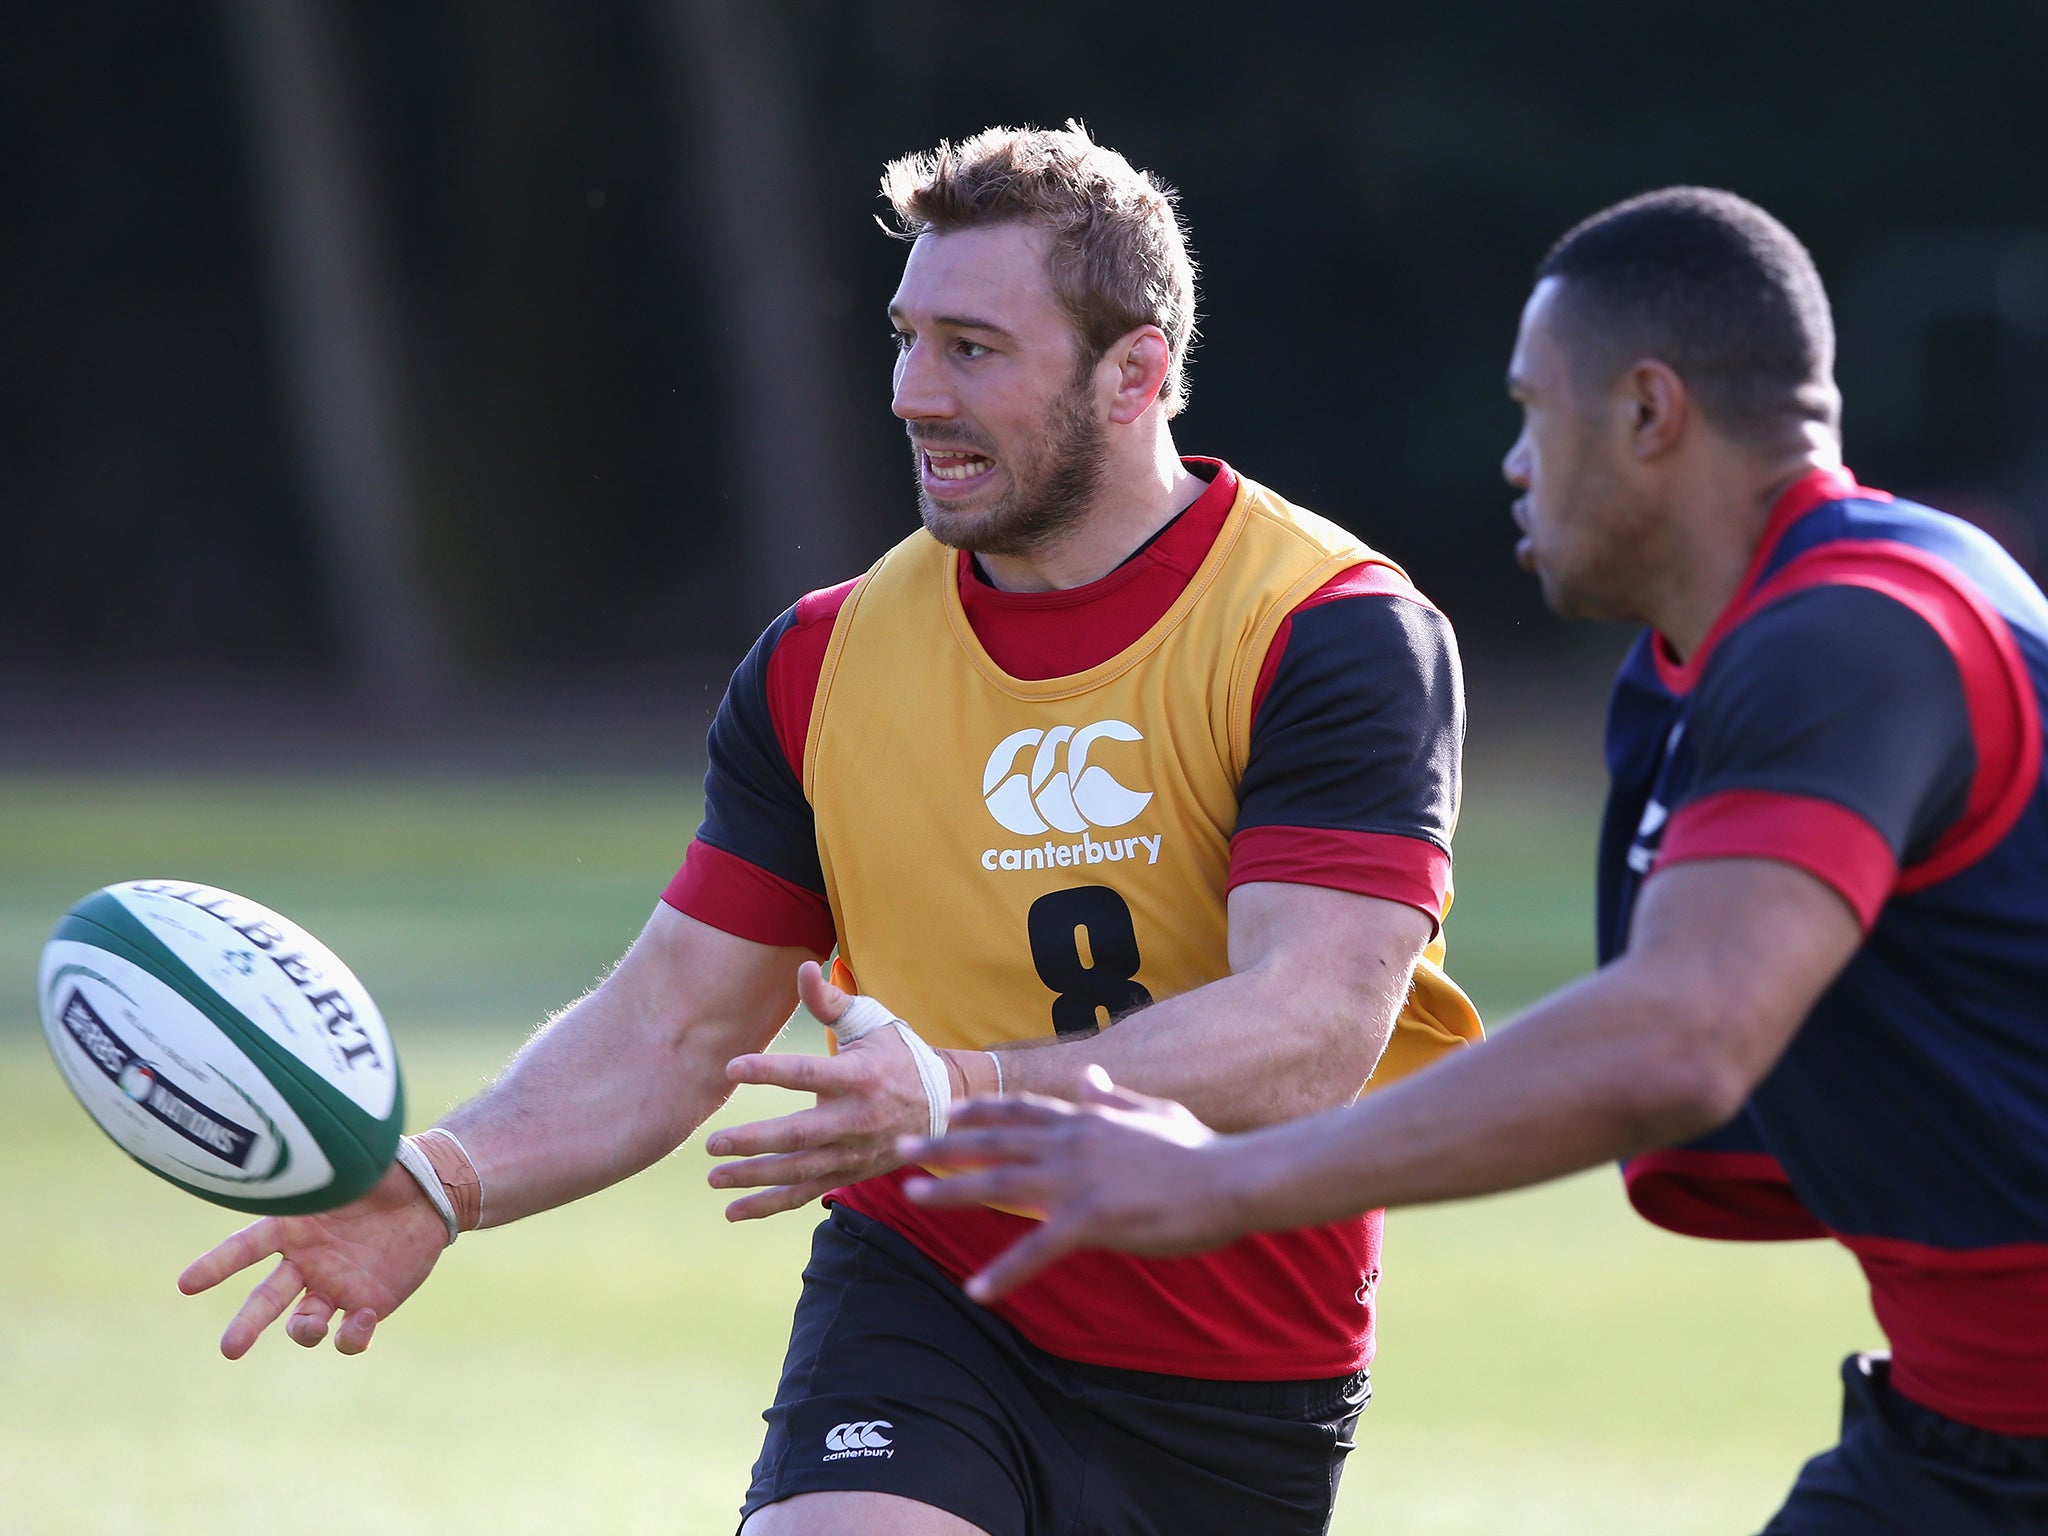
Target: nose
(1515,467)
(920,391)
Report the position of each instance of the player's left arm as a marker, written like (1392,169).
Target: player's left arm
(1661,1045)
(1317,977)
(1339,866)
(1340,862)
(1832,738)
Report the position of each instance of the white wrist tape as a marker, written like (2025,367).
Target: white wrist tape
(864,1016)
(414,1162)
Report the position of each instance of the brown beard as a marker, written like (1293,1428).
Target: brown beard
(1053,482)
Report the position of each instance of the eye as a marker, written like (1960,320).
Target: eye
(899,340)
(969,349)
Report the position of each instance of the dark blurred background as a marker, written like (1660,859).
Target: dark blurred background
(385,355)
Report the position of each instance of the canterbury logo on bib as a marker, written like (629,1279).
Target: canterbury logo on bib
(1073,799)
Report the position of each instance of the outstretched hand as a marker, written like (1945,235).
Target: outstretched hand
(1117,1170)
(359,1260)
(869,1096)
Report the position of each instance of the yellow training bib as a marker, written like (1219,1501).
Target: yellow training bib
(1006,859)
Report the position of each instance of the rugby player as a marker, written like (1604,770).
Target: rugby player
(1823,909)
(1119,738)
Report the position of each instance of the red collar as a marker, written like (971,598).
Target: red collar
(1181,546)
(1813,489)
(1039,635)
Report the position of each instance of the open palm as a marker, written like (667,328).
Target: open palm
(360,1260)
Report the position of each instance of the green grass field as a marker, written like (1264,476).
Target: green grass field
(1548,1364)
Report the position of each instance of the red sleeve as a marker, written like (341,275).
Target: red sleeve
(1834,845)
(748,902)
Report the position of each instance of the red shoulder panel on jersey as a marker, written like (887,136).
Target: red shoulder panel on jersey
(2005,719)
(1733,1196)
(1828,841)
(748,902)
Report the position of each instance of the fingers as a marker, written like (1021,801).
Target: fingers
(264,1305)
(256,1241)
(354,1335)
(978,1146)
(806,1074)
(775,1201)
(1096,1088)
(1022,1109)
(1023,1259)
(307,1325)
(839,1164)
(825,1001)
(785,1133)
(1013,1188)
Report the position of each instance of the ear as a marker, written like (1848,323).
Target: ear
(1659,408)
(1141,360)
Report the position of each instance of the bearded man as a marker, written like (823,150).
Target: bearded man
(1121,762)
(1823,918)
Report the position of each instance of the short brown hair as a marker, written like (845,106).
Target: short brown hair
(1120,253)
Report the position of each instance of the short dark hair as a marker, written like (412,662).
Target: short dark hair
(1710,284)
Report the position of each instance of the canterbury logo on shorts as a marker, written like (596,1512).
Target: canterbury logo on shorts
(861,1437)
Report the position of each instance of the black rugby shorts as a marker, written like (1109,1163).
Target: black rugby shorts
(1901,1469)
(896,1383)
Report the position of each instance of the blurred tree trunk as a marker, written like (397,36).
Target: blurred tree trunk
(743,191)
(337,326)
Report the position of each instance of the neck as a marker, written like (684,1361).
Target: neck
(1718,518)
(1138,499)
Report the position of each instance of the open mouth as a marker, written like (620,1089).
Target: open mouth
(955,467)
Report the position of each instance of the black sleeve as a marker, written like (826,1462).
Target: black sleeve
(754,805)
(1362,726)
(1843,694)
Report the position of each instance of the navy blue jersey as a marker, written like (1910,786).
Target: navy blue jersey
(1868,708)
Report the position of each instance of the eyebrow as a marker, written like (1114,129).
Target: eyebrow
(958,323)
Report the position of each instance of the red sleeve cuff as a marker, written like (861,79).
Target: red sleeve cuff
(1410,870)
(748,902)
(1828,841)
(1734,1196)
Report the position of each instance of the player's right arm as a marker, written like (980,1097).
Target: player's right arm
(612,1084)
(622,1076)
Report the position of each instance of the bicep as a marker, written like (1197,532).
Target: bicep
(1739,950)
(687,985)
(1339,939)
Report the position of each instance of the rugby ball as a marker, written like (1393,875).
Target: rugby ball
(221,1046)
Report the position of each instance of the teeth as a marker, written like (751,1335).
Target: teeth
(955,466)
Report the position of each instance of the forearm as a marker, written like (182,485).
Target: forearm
(619,1079)
(570,1116)
(1248,1050)
(1613,1065)
(1318,977)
